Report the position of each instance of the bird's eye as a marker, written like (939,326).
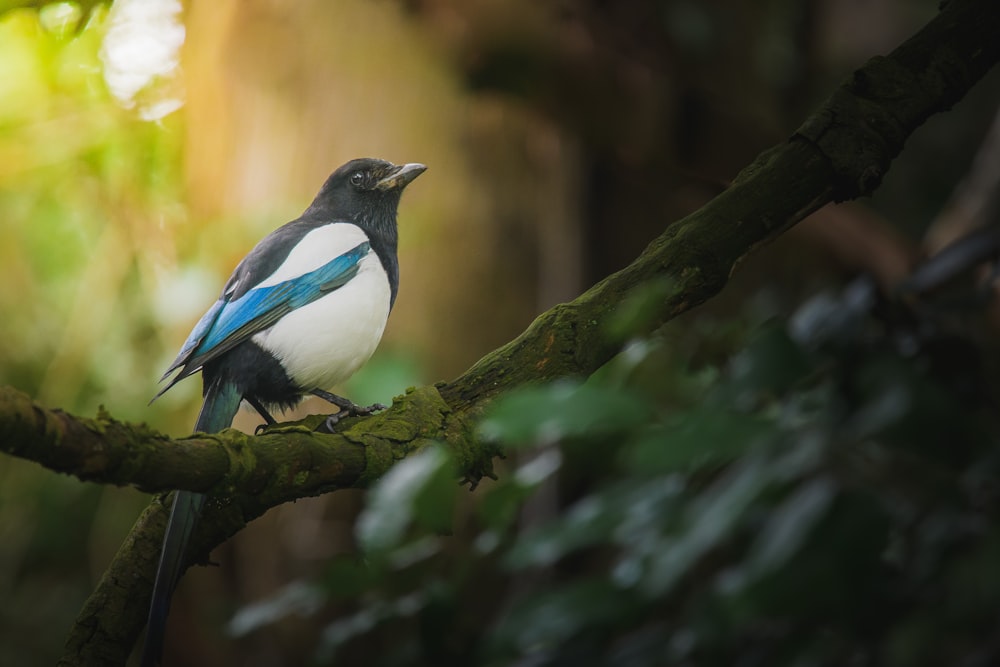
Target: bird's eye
(357,178)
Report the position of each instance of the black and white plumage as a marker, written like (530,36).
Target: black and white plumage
(308,305)
(302,312)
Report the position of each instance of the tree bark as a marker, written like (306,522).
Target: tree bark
(841,152)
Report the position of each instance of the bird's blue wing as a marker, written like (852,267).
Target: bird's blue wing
(229,323)
(194,338)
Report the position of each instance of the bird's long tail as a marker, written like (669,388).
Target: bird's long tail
(222,400)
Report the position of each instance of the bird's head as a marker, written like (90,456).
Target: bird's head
(365,191)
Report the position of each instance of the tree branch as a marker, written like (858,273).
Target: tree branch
(841,152)
(289,461)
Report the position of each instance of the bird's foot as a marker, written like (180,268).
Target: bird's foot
(347,407)
(259,407)
(352,410)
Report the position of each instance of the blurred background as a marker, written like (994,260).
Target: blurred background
(145,146)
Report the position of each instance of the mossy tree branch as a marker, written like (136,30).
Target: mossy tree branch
(289,461)
(841,152)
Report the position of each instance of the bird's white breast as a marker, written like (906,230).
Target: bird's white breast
(316,248)
(323,343)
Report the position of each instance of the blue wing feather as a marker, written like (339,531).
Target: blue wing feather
(284,297)
(229,323)
(253,305)
(203,326)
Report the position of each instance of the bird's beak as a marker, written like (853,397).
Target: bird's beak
(400,177)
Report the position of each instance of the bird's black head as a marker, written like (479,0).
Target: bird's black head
(366,192)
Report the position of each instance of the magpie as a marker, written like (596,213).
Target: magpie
(301,313)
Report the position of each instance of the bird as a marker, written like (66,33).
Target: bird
(302,312)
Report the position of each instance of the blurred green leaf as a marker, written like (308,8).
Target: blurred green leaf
(562,410)
(296,598)
(588,522)
(640,310)
(544,623)
(343,630)
(347,576)
(788,525)
(771,365)
(832,320)
(434,505)
(699,437)
(406,492)
(501,503)
(709,519)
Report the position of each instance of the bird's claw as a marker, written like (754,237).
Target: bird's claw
(353,410)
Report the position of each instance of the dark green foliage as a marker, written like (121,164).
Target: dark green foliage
(826,496)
